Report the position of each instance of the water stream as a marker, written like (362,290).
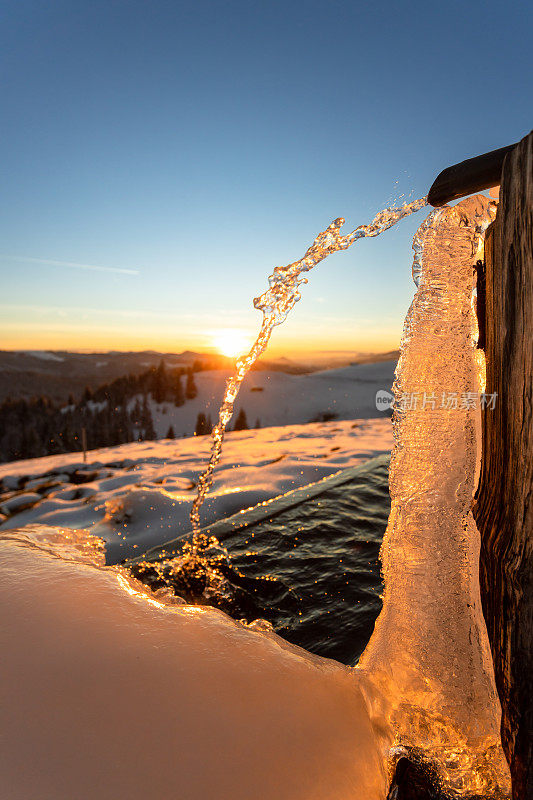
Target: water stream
(276,304)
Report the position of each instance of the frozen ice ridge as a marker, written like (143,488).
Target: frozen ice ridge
(429,652)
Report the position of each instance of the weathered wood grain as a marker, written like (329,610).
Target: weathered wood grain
(504,502)
(472,175)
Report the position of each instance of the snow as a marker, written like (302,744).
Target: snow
(149,695)
(139,495)
(276,398)
(111,692)
(43,355)
(11,481)
(19,501)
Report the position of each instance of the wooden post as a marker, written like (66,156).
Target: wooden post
(504,501)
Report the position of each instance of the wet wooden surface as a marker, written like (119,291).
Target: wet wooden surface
(504,502)
(470,176)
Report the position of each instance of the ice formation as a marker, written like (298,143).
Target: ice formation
(429,651)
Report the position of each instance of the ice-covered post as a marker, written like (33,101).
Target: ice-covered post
(429,649)
(504,506)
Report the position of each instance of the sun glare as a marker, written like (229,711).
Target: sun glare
(231,342)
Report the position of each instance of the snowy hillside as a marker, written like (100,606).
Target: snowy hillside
(139,495)
(281,399)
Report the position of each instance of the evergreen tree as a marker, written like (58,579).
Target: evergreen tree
(257,423)
(124,427)
(170,433)
(87,395)
(179,397)
(190,387)
(67,433)
(160,383)
(102,432)
(147,422)
(35,447)
(209,424)
(201,425)
(136,412)
(241,423)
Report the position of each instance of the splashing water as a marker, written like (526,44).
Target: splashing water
(426,674)
(275,304)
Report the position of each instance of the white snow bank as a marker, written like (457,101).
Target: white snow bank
(110,693)
(19,501)
(280,399)
(139,495)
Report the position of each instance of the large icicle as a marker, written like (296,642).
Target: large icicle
(430,645)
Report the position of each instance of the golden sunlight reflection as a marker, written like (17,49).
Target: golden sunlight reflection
(127,584)
(231,342)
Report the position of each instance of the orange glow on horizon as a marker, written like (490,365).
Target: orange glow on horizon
(230,342)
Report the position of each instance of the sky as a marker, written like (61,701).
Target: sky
(161,158)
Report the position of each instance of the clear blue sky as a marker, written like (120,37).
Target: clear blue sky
(191,147)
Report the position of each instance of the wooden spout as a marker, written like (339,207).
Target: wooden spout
(472,175)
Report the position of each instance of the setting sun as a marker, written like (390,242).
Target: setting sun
(231,342)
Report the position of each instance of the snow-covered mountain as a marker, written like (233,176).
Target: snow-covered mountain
(281,399)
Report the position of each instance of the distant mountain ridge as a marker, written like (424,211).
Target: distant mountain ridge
(179,402)
(59,373)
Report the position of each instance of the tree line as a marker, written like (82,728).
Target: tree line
(176,386)
(40,427)
(204,424)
